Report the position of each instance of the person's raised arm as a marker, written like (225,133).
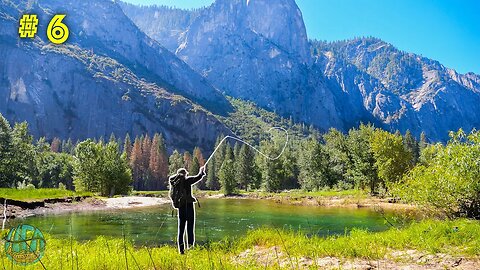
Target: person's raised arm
(194,179)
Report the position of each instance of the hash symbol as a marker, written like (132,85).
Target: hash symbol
(28,26)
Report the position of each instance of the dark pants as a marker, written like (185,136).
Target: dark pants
(186,216)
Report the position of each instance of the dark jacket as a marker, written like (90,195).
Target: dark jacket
(187,184)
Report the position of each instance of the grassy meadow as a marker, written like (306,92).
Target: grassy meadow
(39,194)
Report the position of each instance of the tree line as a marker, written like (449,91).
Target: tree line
(365,158)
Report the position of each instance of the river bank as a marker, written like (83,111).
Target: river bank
(68,205)
(330,199)
(346,199)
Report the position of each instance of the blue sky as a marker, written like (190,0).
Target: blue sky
(444,30)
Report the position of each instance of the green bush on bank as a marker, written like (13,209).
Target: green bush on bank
(448,180)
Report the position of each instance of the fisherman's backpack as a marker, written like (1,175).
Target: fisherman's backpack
(177,193)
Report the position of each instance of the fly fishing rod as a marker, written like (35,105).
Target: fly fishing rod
(251,146)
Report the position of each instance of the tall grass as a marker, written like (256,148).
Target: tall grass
(459,237)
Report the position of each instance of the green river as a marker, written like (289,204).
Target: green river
(216,219)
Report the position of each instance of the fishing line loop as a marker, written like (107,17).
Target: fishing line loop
(251,146)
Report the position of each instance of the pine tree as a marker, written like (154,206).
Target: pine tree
(154,164)
(145,172)
(146,147)
(67,147)
(198,154)
(340,158)
(163,161)
(135,163)
(120,144)
(212,180)
(423,141)
(127,146)
(63,146)
(271,170)
(220,154)
(229,152)
(187,161)
(290,168)
(198,161)
(55,145)
(194,166)
(176,162)
(412,146)
(112,138)
(315,169)
(227,172)
(6,153)
(245,167)
(214,165)
(42,145)
(236,150)
(158,165)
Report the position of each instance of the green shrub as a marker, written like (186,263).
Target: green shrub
(450,182)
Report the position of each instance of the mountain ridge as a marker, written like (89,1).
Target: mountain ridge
(423,86)
(255,50)
(366,80)
(71,91)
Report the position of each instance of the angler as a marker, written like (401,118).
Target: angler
(183,201)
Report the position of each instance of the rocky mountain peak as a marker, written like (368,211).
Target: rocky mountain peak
(280,22)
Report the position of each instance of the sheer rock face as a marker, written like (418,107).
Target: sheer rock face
(101,81)
(164,24)
(102,26)
(258,50)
